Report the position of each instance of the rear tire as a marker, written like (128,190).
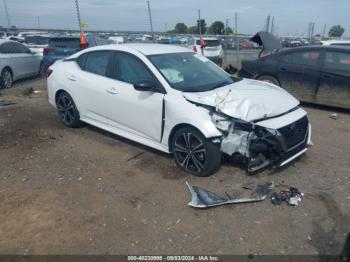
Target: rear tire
(195,154)
(269,79)
(67,111)
(6,79)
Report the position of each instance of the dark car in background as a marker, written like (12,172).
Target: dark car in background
(316,74)
(61,47)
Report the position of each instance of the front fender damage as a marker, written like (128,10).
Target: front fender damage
(258,145)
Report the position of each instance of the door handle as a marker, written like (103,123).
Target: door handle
(72,78)
(112,91)
(326,76)
(283,69)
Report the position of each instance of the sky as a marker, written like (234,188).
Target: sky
(291,17)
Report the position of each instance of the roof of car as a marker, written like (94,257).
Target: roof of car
(5,40)
(313,47)
(330,42)
(146,49)
(206,38)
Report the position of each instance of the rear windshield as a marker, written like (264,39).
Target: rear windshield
(209,42)
(36,40)
(64,42)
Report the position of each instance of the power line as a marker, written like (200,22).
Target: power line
(39,26)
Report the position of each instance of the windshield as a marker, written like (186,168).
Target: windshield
(190,72)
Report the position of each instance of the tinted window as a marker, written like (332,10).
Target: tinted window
(19,48)
(131,70)
(209,43)
(64,42)
(302,58)
(97,62)
(341,44)
(36,40)
(337,61)
(13,48)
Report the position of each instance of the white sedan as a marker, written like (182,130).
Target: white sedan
(16,62)
(179,102)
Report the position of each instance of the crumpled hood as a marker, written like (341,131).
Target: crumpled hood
(247,100)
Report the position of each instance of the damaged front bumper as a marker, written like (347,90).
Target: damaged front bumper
(266,142)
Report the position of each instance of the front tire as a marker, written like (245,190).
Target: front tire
(67,111)
(6,79)
(195,154)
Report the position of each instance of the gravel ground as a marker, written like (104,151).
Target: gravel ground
(85,191)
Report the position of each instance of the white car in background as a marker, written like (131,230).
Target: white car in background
(212,50)
(16,62)
(37,43)
(177,101)
(336,42)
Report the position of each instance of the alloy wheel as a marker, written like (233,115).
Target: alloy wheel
(66,109)
(7,79)
(190,152)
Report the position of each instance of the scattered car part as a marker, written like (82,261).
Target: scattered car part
(201,198)
(288,194)
(7,103)
(334,116)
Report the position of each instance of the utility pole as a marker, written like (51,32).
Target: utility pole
(267,24)
(324,31)
(226,26)
(199,22)
(150,17)
(312,29)
(39,22)
(78,14)
(236,23)
(7,15)
(272,25)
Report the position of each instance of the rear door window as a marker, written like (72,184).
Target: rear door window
(65,43)
(96,62)
(337,61)
(309,58)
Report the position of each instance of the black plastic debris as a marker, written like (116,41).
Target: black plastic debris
(6,103)
(201,198)
(288,194)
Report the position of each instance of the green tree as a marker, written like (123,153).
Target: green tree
(192,30)
(336,31)
(217,28)
(228,31)
(180,28)
(201,26)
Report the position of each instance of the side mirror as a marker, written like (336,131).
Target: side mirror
(145,86)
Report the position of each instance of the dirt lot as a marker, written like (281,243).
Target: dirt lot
(85,191)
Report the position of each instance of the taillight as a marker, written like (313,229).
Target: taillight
(48,72)
(48,50)
(194,48)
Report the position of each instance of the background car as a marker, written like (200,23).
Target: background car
(336,42)
(16,62)
(317,74)
(61,47)
(37,43)
(213,49)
